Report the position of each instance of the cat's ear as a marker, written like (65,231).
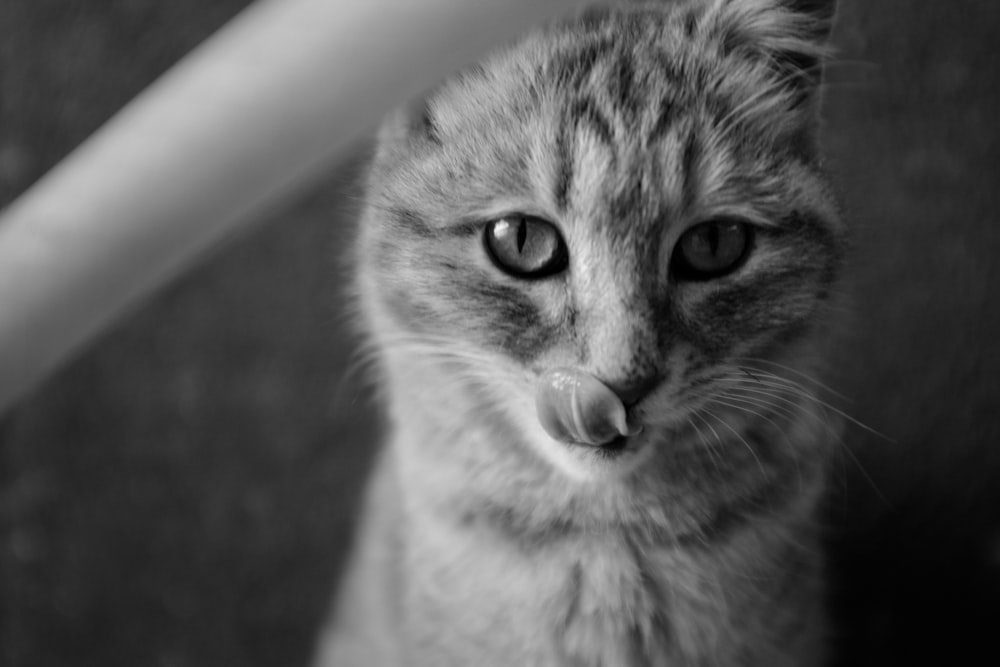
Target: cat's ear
(791,38)
(791,34)
(816,18)
(819,12)
(413,121)
(405,129)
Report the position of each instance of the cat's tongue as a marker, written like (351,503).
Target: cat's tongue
(574,406)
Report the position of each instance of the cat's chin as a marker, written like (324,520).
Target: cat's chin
(618,458)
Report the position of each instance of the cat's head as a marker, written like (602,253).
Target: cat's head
(635,194)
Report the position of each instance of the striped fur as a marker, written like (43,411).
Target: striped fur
(488,543)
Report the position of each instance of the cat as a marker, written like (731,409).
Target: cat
(629,203)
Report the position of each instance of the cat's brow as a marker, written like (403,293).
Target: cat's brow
(690,159)
(564,169)
(624,88)
(574,67)
(665,120)
(586,112)
(410,221)
(583,114)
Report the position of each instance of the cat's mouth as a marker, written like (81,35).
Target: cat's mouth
(613,449)
(616,445)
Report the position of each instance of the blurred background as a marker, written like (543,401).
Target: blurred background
(183,493)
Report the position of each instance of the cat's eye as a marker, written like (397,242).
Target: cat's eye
(526,247)
(711,249)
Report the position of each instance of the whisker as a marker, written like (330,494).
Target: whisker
(775,394)
(834,433)
(844,447)
(726,402)
(360,373)
(777,427)
(838,438)
(709,427)
(742,439)
(795,372)
(800,407)
(814,399)
(708,446)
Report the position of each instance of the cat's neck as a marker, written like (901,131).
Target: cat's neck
(617,594)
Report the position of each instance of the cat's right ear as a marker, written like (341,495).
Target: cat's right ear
(410,126)
(413,122)
(404,131)
(423,123)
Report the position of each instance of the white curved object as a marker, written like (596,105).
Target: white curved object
(275,94)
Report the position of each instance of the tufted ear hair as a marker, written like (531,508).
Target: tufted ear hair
(821,12)
(791,34)
(817,17)
(790,37)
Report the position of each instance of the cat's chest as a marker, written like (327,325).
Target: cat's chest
(613,606)
(596,601)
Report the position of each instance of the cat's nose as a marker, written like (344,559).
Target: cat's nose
(632,390)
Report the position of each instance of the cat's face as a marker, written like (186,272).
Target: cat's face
(634,194)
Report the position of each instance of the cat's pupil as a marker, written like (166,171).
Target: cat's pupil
(525,247)
(713,240)
(711,249)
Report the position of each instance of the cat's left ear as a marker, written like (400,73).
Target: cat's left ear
(793,34)
(816,19)
(820,12)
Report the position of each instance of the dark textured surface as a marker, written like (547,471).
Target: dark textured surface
(182,493)
(916,153)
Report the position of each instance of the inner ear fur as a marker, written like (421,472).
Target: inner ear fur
(793,34)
